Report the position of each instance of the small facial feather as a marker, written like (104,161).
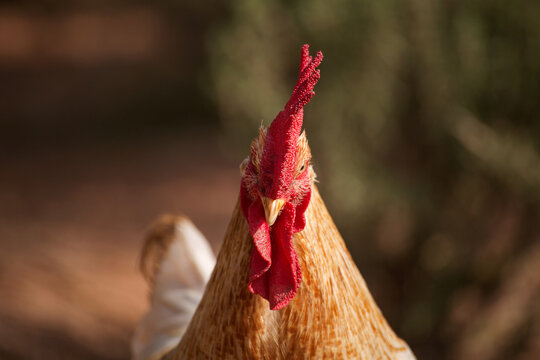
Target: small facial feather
(303,162)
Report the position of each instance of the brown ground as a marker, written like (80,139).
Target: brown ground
(71,225)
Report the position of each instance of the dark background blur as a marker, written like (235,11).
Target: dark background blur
(425,135)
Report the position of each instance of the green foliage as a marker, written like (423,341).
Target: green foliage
(425,136)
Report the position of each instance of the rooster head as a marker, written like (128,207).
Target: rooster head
(275,192)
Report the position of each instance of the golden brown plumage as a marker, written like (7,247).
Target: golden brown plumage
(333,315)
(284,285)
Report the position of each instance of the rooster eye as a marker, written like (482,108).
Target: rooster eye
(302,168)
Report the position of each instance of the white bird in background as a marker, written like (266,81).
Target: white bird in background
(177,261)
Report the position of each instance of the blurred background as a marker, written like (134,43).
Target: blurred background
(425,135)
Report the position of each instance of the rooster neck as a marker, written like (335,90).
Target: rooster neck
(332,315)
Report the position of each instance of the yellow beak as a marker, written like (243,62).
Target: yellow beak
(272,209)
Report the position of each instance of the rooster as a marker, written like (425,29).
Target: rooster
(284,285)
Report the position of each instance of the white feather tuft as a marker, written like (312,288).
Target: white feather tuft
(184,264)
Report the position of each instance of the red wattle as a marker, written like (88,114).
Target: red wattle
(275,272)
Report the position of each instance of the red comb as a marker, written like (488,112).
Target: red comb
(307,79)
(282,136)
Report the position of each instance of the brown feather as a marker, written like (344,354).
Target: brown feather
(333,315)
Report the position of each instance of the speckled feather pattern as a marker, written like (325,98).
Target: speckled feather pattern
(332,316)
